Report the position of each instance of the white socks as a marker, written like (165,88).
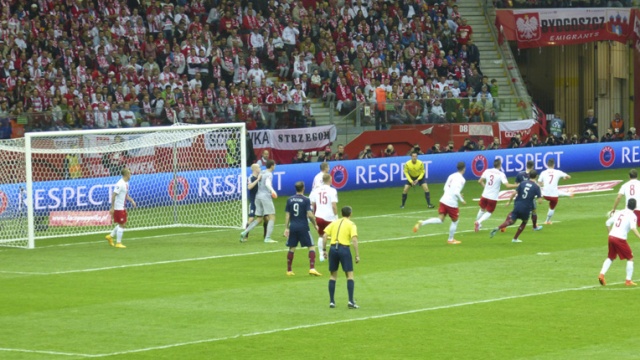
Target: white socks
(321,248)
(629,270)
(431,221)
(480,213)
(119,232)
(550,214)
(115,229)
(606,265)
(452,229)
(484,217)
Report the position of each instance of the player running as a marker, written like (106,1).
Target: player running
(619,226)
(630,190)
(526,194)
(118,209)
(324,203)
(296,224)
(449,203)
(490,180)
(549,181)
(520,177)
(415,173)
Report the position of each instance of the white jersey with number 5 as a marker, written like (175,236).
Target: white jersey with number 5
(631,190)
(549,180)
(121,189)
(621,223)
(493,178)
(452,188)
(323,197)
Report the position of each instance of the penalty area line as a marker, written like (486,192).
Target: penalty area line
(45,352)
(345,321)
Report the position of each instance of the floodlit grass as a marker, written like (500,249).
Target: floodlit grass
(200,294)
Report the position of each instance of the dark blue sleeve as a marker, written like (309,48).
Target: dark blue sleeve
(307,206)
(287,208)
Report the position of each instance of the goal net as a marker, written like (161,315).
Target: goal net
(58,184)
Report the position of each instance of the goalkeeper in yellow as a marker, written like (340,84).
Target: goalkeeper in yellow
(415,173)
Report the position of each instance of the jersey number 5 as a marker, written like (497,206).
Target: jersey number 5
(619,221)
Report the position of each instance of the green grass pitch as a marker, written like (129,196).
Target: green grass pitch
(200,294)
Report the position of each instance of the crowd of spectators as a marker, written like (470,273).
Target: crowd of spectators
(121,63)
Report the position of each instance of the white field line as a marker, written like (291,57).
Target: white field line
(314,325)
(45,352)
(399,214)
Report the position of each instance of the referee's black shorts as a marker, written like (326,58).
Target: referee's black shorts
(340,254)
(412,179)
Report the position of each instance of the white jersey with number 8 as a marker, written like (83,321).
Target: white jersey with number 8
(323,197)
(631,190)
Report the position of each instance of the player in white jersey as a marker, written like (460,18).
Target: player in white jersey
(491,180)
(118,210)
(317,180)
(619,226)
(630,190)
(548,181)
(324,202)
(449,203)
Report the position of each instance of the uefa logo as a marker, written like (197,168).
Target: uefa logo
(607,156)
(178,188)
(479,165)
(339,176)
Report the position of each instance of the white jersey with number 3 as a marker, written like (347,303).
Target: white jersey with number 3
(549,180)
(121,189)
(493,178)
(621,223)
(323,197)
(631,190)
(452,188)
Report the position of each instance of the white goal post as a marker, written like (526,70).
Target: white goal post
(57,184)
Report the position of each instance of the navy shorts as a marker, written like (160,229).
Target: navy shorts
(302,237)
(520,213)
(420,182)
(340,254)
(252,209)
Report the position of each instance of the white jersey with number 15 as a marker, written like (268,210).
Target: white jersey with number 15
(323,197)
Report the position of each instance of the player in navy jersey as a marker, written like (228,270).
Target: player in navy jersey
(520,177)
(253,190)
(297,216)
(526,194)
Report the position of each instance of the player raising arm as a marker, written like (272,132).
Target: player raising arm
(449,203)
(630,190)
(526,194)
(549,181)
(619,226)
(324,203)
(118,209)
(490,180)
(415,173)
(296,226)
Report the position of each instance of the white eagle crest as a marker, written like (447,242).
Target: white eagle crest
(527,27)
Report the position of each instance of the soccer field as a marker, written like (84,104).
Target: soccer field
(200,294)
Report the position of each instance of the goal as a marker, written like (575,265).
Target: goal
(57,184)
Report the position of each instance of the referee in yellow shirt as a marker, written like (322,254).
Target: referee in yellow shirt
(341,235)
(415,173)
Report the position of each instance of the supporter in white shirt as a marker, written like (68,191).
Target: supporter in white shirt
(256,75)
(127,117)
(195,81)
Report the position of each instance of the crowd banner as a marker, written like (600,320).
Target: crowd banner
(92,195)
(284,139)
(531,28)
(524,128)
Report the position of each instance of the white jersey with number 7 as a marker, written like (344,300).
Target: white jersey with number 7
(549,180)
(631,190)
